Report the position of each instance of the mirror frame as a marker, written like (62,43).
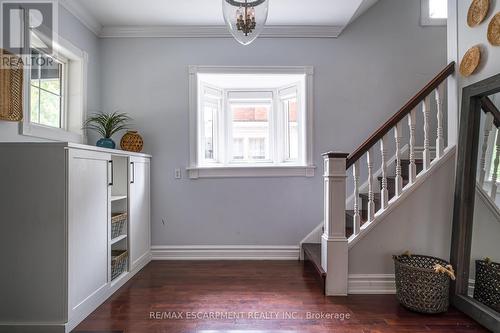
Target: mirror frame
(465,193)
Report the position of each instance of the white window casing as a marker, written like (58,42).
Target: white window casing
(74,101)
(250,161)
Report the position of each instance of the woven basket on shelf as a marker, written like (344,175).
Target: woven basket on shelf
(118,262)
(117,224)
(487,283)
(132,141)
(418,286)
(11,87)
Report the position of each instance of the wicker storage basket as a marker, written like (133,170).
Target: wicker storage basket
(418,286)
(487,284)
(118,262)
(118,224)
(11,87)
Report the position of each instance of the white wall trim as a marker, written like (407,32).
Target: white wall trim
(217,31)
(225,252)
(245,172)
(83,15)
(374,284)
(407,190)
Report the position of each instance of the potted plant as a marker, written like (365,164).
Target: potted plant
(107,125)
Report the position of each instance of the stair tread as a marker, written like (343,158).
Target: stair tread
(313,253)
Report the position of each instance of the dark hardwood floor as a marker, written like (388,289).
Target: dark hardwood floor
(187,290)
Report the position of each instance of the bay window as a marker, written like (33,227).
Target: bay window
(250,123)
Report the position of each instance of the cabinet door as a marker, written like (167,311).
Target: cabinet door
(139,210)
(88,191)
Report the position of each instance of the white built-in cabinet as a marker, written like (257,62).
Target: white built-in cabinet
(56,246)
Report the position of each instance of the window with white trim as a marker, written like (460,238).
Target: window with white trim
(249,123)
(48,91)
(434,12)
(55,97)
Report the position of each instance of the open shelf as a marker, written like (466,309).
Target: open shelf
(118,197)
(117,239)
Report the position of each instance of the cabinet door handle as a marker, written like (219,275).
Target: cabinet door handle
(112,174)
(132,179)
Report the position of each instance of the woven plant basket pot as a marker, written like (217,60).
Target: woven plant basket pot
(487,284)
(418,287)
(132,141)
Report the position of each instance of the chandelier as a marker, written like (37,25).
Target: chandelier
(245,18)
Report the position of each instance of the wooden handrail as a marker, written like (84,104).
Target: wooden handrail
(488,106)
(403,112)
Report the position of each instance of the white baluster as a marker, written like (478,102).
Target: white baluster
(488,125)
(398,136)
(440,131)
(384,193)
(412,125)
(371,193)
(426,109)
(357,217)
(493,192)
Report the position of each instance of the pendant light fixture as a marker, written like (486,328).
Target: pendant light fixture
(245,19)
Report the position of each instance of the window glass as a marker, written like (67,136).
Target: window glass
(238,149)
(46,90)
(438,9)
(209,114)
(292,129)
(250,131)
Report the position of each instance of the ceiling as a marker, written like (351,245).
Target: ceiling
(98,14)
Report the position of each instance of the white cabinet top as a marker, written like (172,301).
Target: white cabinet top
(69,145)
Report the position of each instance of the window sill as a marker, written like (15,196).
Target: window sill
(252,171)
(50,133)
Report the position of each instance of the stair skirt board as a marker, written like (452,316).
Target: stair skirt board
(225,252)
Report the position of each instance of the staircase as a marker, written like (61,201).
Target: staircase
(346,222)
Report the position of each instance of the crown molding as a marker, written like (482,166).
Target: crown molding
(83,15)
(216,31)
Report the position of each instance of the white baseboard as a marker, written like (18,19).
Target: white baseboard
(225,252)
(371,284)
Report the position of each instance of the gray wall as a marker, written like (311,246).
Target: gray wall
(75,32)
(361,79)
(421,224)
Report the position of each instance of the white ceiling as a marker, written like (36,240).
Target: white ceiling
(183,13)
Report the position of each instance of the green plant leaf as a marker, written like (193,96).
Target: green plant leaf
(107,124)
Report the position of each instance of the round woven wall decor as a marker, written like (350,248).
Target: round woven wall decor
(132,141)
(470,61)
(494,30)
(477,12)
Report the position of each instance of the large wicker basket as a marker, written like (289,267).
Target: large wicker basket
(487,284)
(418,286)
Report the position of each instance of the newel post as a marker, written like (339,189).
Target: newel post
(334,246)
